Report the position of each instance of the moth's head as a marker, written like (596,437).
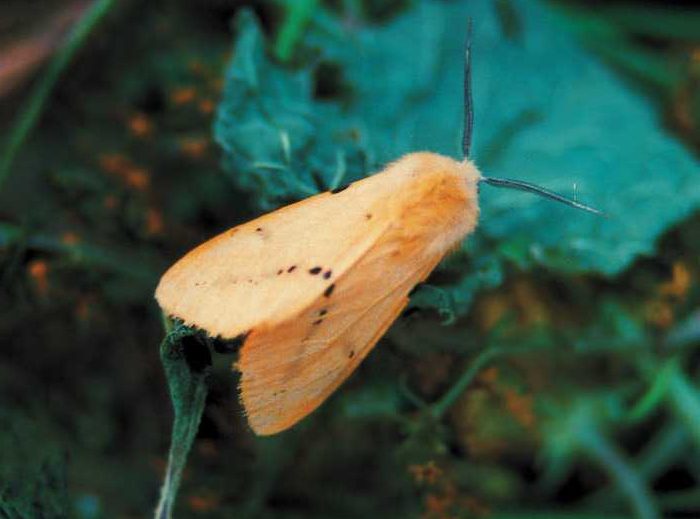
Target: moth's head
(467,170)
(471,175)
(425,163)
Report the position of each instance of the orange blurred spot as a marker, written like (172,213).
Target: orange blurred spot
(196,67)
(82,308)
(432,371)
(438,505)
(133,176)
(682,108)
(136,178)
(194,148)
(659,313)
(521,407)
(39,271)
(475,420)
(140,125)
(491,310)
(476,507)
(225,57)
(695,56)
(679,283)
(110,202)
(217,85)
(154,222)
(70,238)
(532,308)
(206,106)
(205,502)
(207,449)
(489,376)
(427,472)
(183,95)
(113,162)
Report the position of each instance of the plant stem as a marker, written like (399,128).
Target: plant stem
(188,387)
(684,399)
(443,405)
(297,17)
(595,444)
(653,398)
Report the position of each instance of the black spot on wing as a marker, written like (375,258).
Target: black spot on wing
(315,270)
(327,274)
(292,268)
(317,322)
(368,216)
(323,311)
(351,354)
(329,290)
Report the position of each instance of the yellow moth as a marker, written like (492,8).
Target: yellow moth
(310,288)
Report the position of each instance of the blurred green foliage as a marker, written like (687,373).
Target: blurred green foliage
(550,367)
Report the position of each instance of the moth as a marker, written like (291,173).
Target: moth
(309,289)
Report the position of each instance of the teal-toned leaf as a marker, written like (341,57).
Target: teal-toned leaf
(546,112)
(278,140)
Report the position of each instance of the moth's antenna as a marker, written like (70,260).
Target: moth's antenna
(468,105)
(467,140)
(532,188)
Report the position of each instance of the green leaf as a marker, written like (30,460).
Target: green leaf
(546,112)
